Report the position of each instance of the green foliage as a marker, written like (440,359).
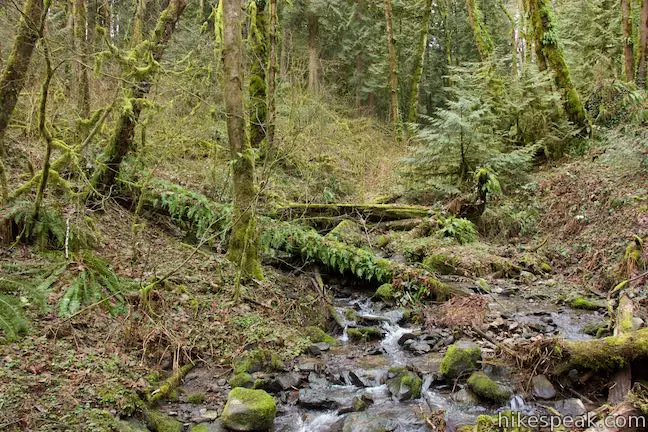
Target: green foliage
(460,229)
(613,102)
(12,319)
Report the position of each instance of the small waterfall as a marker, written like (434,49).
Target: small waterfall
(317,422)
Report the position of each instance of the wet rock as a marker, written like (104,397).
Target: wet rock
(487,388)
(359,403)
(281,382)
(316,349)
(324,398)
(570,407)
(385,292)
(405,385)
(307,367)
(460,358)
(465,396)
(208,427)
(637,323)
(418,347)
(368,422)
(242,380)
(542,387)
(406,337)
(364,333)
(249,410)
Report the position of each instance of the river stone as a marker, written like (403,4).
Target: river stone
(249,410)
(460,357)
(316,349)
(281,382)
(465,396)
(542,387)
(637,323)
(368,422)
(570,407)
(406,337)
(326,397)
(405,385)
(487,388)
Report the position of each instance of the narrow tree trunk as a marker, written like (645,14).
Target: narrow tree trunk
(481,34)
(243,244)
(419,61)
(313,53)
(514,57)
(393,77)
(643,44)
(83,86)
(272,73)
(137,35)
(92,23)
(15,72)
(122,139)
(628,51)
(285,55)
(360,63)
(622,379)
(258,49)
(549,50)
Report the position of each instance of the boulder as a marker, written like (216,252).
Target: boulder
(385,292)
(248,410)
(405,385)
(542,387)
(487,388)
(460,357)
(465,396)
(570,407)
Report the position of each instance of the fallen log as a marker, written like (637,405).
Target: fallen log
(622,379)
(369,212)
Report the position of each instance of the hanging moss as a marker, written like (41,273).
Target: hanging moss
(483,40)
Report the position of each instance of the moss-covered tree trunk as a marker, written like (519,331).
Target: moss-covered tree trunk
(483,40)
(81,43)
(313,53)
(392,65)
(360,61)
(419,60)
(272,71)
(628,50)
(243,247)
(121,141)
(643,44)
(550,53)
(15,71)
(258,49)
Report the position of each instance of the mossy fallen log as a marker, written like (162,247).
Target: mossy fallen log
(369,212)
(169,384)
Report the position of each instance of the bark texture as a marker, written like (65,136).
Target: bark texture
(313,53)
(393,75)
(628,50)
(643,44)
(483,40)
(419,62)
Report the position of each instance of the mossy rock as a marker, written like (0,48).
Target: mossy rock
(317,335)
(487,388)
(441,264)
(200,428)
(364,333)
(249,410)
(460,358)
(348,232)
(405,385)
(385,292)
(583,303)
(242,379)
(160,422)
(258,360)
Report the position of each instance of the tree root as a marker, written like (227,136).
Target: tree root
(169,384)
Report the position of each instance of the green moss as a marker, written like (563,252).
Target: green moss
(199,428)
(507,421)
(405,385)
(348,232)
(160,422)
(382,241)
(583,303)
(441,264)
(485,387)
(350,314)
(364,333)
(242,379)
(317,335)
(196,398)
(385,292)
(458,360)
(252,410)
(258,360)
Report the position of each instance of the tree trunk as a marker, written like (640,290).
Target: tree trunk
(628,52)
(550,53)
(483,40)
(15,72)
(393,77)
(258,49)
(514,57)
(360,63)
(643,44)
(243,247)
(92,22)
(122,140)
(622,380)
(313,53)
(272,73)
(419,61)
(83,86)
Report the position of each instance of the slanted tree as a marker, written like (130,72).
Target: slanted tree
(243,247)
(419,59)
(15,71)
(551,54)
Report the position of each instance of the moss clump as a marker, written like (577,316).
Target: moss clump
(160,422)
(350,314)
(364,333)
(597,329)
(196,398)
(382,241)
(317,335)
(348,232)
(249,410)
(200,428)
(385,292)
(583,303)
(242,379)
(441,264)
(460,358)
(486,388)
(258,360)
(405,385)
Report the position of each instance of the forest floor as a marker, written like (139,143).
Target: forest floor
(67,373)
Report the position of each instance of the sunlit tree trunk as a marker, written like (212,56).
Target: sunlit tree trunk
(258,50)
(243,244)
(121,141)
(628,51)
(643,44)
(551,54)
(313,53)
(15,71)
(481,34)
(83,86)
(419,61)
(393,77)
(272,72)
